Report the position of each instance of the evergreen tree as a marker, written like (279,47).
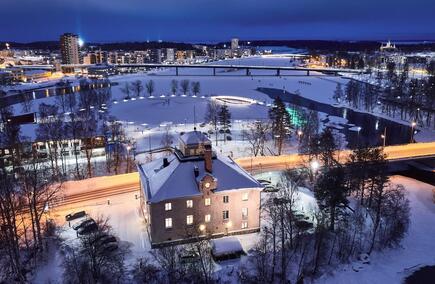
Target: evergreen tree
(280,123)
(331,193)
(225,119)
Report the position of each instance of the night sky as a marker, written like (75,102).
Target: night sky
(217,20)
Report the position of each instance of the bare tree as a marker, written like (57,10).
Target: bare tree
(196,88)
(257,134)
(137,87)
(126,90)
(185,84)
(93,260)
(212,116)
(174,87)
(150,87)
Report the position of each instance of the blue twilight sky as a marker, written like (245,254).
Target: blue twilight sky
(216,20)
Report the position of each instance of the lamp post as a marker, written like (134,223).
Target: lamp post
(384,137)
(299,135)
(413,124)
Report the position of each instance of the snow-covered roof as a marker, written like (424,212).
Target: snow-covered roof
(225,246)
(178,180)
(194,138)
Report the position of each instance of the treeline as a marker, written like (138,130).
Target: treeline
(358,211)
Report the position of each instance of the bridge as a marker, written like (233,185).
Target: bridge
(407,152)
(278,70)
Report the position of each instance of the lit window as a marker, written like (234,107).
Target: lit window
(244,225)
(189,203)
(244,213)
(168,223)
(226,214)
(207,218)
(189,219)
(168,206)
(245,196)
(207,201)
(226,199)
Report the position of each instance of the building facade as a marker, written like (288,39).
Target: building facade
(195,192)
(69,48)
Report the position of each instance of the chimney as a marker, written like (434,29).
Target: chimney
(165,162)
(196,171)
(208,158)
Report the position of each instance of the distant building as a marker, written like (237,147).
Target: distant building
(69,48)
(100,71)
(170,55)
(388,47)
(234,43)
(195,191)
(155,56)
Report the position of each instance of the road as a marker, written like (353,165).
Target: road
(107,186)
(394,153)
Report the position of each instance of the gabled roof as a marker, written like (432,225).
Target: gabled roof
(194,138)
(177,180)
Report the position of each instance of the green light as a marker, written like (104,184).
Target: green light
(295,117)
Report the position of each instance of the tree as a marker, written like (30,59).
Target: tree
(331,193)
(280,123)
(115,152)
(212,116)
(51,131)
(93,260)
(185,86)
(126,90)
(150,87)
(137,87)
(257,134)
(167,138)
(196,88)
(38,187)
(338,93)
(225,119)
(174,87)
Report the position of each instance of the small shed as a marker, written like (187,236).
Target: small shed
(226,248)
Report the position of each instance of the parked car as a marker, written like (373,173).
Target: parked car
(82,224)
(269,188)
(87,228)
(75,215)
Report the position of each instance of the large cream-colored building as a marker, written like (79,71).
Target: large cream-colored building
(194,192)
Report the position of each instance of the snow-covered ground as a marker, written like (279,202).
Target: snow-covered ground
(416,250)
(388,266)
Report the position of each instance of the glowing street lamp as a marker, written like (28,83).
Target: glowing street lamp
(413,124)
(314,165)
(202,228)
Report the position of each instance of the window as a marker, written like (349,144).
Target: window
(207,201)
(207,218)
(244,224)
(168,206)
(226,199)
(189,219)
(168,223)
(245,196)
(244,213)
(226,214)
(189,203)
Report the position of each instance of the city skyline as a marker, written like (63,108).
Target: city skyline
(214,21)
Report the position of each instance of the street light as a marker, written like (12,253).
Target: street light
(300,134)
(384,136)
(314,165)
(413,124)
